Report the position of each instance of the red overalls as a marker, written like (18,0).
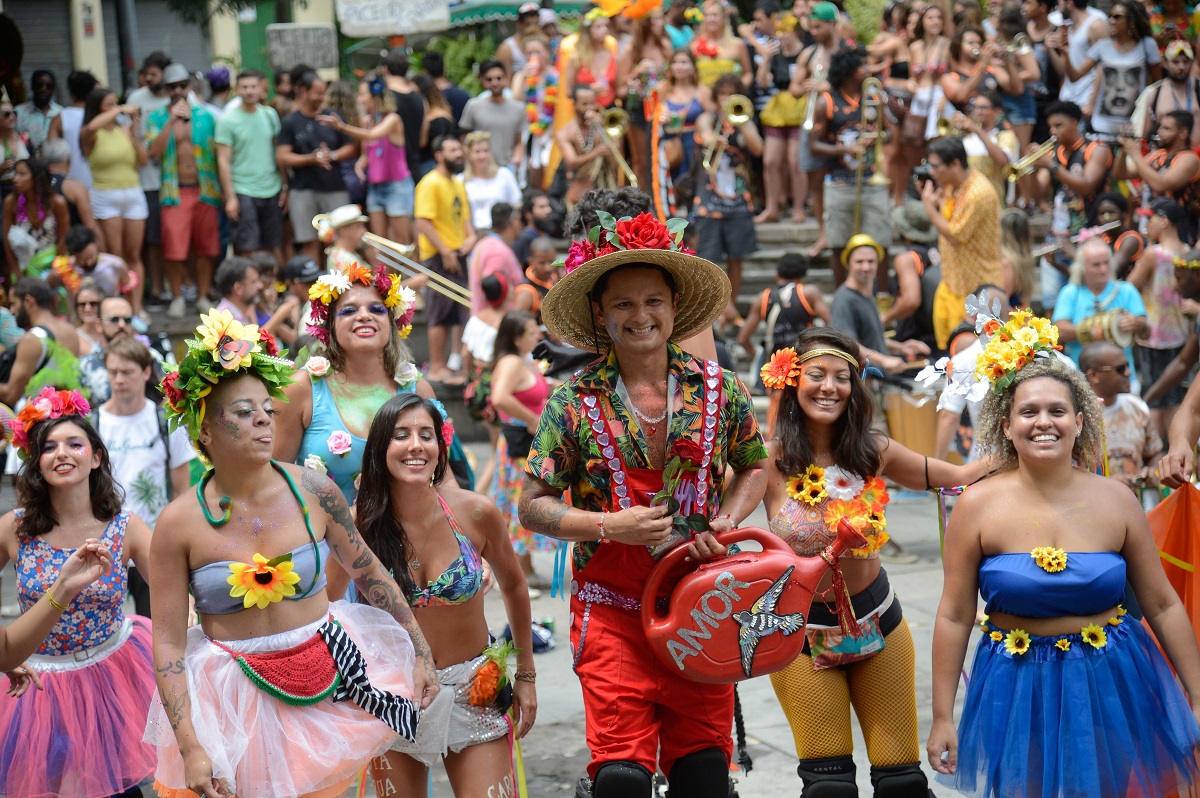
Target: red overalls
(628,694)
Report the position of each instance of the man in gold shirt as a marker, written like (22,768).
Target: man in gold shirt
(965,211)
(446,237)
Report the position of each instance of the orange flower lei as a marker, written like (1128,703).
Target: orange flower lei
(66,272)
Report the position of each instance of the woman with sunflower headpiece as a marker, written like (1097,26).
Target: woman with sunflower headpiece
(278,692)
(827,462)
(79,733)
(1067,694)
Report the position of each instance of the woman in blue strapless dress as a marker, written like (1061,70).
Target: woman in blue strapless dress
(1067,695)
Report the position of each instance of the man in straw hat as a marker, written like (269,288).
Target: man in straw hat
(607,435)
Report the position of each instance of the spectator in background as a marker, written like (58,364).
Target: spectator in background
(511,52)
(434,65)
(677,26)
(540,276)
(34,208)
(313,152)
(282,101)
(12,147)
(504,118)
(1132,441)
(239,283)
(342,99)
(446,236)
(47,354)
(69,122)
(390,185)
(252,181)
(410,105)
(151,96)
(439,122)
(109,273)
(538,219)
(35,117)
(115,151)
(87,317)
(537,87)
(788,308)
(181,139)
(485,182)
(288,323)
(151,464)
(57,155)
(116,323)
(494,255)
(218,84)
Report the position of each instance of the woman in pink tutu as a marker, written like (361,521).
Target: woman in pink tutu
(80,734)
(278,692)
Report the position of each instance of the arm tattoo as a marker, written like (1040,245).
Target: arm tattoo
(173,668)
(334,504)
(541,511)
(174,701)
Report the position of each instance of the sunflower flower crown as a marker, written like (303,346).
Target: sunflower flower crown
(1181,263)
(400,300)
(221,347)
(1008,347)
(48,404)
(643,231)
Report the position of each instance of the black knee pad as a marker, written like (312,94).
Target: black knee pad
(622,780)
(900,781)
(832,777)
(700,774)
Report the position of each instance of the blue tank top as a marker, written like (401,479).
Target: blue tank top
(210,585)
(325,421)
(1013,583)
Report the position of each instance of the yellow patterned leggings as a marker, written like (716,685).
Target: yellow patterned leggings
(882,690)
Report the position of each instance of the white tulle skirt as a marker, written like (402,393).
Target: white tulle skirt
(265,748)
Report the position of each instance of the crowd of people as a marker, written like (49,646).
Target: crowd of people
(307,544)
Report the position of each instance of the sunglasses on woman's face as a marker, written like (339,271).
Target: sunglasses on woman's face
(87,304)
(7,114)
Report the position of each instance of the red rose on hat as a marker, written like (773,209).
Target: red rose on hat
(268,342)
(173,394)
(643,232)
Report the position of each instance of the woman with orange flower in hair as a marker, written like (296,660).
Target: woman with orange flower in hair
(827,461)
(434,538)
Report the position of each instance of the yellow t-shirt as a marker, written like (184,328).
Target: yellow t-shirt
(113,160)
(443,201)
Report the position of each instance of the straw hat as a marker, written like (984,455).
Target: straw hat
(912,222)
(703,288)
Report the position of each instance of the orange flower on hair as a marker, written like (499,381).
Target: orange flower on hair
(358,273)
(782,370)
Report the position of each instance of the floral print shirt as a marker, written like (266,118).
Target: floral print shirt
(204,150)
(565,453)
(97,613)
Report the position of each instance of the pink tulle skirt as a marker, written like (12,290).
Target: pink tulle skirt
(264,748)
(82,735)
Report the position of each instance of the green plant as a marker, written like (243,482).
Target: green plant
(463,56)
(865,16)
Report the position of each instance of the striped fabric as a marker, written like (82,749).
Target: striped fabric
(401,714)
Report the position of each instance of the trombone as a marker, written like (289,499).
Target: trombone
(1024,167)
(1019,46)
(612,125)
(950,127)
(870,127)
(1046,249)
(810,110)
(393,255)
(736,110)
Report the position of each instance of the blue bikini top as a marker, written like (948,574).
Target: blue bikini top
(460,581)
(1013,583)
(211,588)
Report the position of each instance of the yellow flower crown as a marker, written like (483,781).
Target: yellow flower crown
(1180,263)
(1014,345)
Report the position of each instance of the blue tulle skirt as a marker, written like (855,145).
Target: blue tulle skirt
(1075,720)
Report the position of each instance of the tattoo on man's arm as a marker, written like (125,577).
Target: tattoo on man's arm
(540,510)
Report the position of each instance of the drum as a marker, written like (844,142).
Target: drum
(739,616)
(1104,326)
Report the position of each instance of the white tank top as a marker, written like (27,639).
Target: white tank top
(72,121)
(518,56)
(1079,92)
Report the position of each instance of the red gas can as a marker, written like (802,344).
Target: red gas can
(737,617)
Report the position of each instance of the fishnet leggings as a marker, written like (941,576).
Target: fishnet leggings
(882,690)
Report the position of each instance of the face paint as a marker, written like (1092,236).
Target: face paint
(228,424)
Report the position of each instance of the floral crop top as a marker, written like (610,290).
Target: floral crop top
(97,613)
(817,501)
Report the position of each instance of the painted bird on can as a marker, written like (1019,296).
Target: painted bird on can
(762,621)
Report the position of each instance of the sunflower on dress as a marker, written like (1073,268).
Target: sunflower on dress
(264,582)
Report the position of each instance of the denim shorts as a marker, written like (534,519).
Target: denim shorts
(396,197)
(1020,110)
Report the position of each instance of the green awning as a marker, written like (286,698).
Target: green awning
(475,12)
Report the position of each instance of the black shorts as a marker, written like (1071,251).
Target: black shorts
(1150,364)
(728,238)
(154,220)
(259,224)
(441,311)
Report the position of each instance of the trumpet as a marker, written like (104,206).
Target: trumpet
(1046,249)
(810,109)
(950,127)
(1019,46)
(870,126)
(1026,166)
(737,110)
(612,125)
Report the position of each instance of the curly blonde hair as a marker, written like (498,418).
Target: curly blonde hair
(998,406)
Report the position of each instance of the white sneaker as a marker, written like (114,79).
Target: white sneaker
(204,304)
(454,362)
(177,308)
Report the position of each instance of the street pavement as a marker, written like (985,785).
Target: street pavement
(554,751)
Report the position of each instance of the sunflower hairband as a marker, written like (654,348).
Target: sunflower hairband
(1180,263)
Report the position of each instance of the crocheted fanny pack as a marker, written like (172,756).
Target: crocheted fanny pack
(301,676)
